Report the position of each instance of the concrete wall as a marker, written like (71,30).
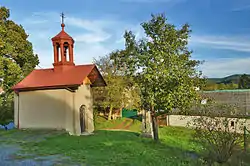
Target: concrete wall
(187,121)
(41,109)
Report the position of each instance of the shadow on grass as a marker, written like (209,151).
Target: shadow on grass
(20,136)
(111,148)
(137,117)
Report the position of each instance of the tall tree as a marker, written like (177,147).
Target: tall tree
(162,66)
(16,54)
(244,82)
(119,91)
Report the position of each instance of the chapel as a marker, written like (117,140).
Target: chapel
(59,97)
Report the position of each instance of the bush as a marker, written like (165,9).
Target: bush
(218,134)
(6,111)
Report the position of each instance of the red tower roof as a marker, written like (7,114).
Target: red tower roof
(62,35)
(65,73)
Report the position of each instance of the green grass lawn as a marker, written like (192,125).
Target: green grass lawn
(104,147)
(110,147)
(117,148)
(101,123)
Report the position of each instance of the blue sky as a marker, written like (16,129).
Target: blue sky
(220,28)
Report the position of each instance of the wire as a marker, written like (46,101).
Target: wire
(39,66)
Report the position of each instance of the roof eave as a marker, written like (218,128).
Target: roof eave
(100,76)
(46,87)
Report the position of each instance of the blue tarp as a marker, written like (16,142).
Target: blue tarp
(2,127)
(9,126)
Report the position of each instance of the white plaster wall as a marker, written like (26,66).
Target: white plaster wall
(55,109)
(83,96)
(42,109)
(186,121)
(15,109)
(69,111)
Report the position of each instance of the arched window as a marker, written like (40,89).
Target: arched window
(66,51)
(58,52)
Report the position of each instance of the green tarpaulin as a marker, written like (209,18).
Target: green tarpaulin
(128,113)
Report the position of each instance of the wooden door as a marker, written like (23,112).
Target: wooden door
(82,118)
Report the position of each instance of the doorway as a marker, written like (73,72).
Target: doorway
(82,118)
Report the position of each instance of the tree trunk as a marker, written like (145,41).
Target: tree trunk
(155,127)
(144,123)
(110,112)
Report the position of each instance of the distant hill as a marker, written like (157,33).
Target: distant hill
(226,80)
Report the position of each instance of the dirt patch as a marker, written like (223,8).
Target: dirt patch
(124,125)
(129,125)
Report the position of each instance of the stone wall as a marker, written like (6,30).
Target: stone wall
(187,121)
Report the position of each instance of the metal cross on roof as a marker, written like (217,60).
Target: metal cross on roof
(62,15)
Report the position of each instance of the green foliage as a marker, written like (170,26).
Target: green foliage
(226,80)
(244,82)
(16,57)
(220,86)
(111,94)
(161,64)
(220,140)
(120,90)
(6,109)
(162,67)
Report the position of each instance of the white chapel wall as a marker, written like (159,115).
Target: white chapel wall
(42,109)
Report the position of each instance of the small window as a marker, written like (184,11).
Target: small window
(204,101)
(232,123)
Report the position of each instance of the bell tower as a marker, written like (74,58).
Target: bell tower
(63,45)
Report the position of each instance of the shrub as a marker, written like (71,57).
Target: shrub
(6,111)
(220,136)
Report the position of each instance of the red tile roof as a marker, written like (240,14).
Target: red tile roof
(62,35)
(45,78)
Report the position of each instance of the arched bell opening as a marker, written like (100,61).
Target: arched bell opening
(58,52)
(66,51)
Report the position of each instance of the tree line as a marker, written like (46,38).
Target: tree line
(17,60)
(243,82)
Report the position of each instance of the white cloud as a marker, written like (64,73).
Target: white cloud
(241,8)
(240,5)
(92,40)
(237,43)
(97,29)
(33,21)
(85,53)
(222,67)
(136,29)
(92,37)
(93,25)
